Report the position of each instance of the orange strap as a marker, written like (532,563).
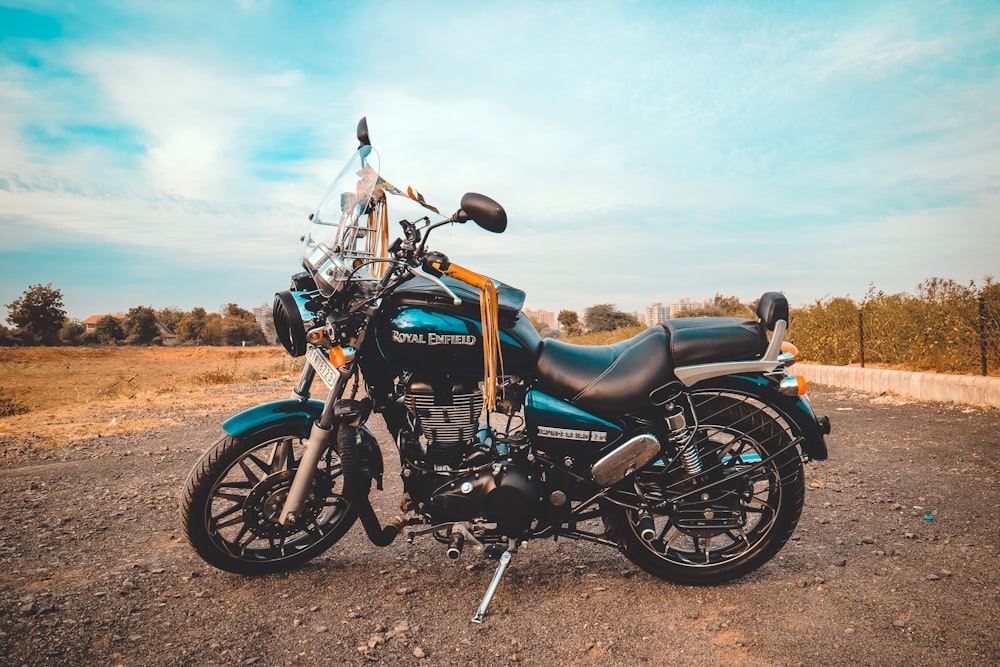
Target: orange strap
(489,313)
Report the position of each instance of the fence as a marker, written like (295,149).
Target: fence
(948,329)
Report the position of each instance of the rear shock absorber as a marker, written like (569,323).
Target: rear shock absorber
(681,436)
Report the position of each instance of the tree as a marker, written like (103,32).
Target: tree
(240,326)
(191,327)
(214,332)
(8,337)
(108,330)
(169,317)
(722,306)
(140,326)
(38,314)
(605,317)
(72,332)
(570,322)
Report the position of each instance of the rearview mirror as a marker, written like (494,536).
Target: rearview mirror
(363,138)
(483,211)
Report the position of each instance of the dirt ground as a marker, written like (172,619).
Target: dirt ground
(896,561)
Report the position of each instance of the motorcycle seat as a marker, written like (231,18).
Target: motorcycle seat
(704,340)
(605,378)
(620,377)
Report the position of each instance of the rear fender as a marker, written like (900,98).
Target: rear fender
(279,415)
(796,410)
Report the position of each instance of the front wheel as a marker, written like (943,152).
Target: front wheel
(234,496)
(735,514)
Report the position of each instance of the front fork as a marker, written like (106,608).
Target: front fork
(320,437)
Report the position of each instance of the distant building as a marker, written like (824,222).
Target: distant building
(544,317)
(167,337)
(265,318)
(678,307)
(656,313)
(90,324)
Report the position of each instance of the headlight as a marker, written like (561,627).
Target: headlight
(288,323)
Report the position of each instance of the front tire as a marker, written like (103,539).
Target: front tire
(235,493)
(738,524)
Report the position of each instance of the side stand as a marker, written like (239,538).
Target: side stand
(504,562)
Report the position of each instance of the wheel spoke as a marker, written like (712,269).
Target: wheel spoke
(237,498)
(219,525)
(250,475)
(238,540)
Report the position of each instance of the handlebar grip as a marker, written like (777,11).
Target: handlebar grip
(436,262)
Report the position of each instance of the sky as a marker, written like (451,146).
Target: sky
(169,153)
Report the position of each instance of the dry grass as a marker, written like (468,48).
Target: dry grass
(66,394)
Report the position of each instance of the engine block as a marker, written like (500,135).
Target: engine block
(446,416)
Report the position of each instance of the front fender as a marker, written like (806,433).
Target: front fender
(274,413)
(796,410)
(294,411)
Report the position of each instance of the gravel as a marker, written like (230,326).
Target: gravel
(896,561)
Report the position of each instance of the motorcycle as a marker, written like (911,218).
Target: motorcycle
(682,447)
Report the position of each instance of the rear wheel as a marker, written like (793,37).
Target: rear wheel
(732,517)
(234,496)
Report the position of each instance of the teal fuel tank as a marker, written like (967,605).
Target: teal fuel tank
(422,330)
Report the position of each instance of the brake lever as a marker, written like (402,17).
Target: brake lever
(437,281)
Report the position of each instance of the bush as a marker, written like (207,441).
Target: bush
(10,406)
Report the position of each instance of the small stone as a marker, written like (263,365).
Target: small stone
(899,623)
(398,630)
(419,653)
(840,562)
(867,540)
(933,577)
(405,590)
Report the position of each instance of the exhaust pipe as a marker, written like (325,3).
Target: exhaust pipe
(626,459)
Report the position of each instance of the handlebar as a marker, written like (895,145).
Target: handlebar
(437,281)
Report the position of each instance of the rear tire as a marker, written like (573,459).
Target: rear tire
(235,493)
(734,527)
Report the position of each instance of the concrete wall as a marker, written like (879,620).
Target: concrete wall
(965,389)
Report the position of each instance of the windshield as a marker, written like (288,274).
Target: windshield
(342,240)
(339,218)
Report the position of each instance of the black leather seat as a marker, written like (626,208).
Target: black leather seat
(619,377)
(606,378)
(703,340)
